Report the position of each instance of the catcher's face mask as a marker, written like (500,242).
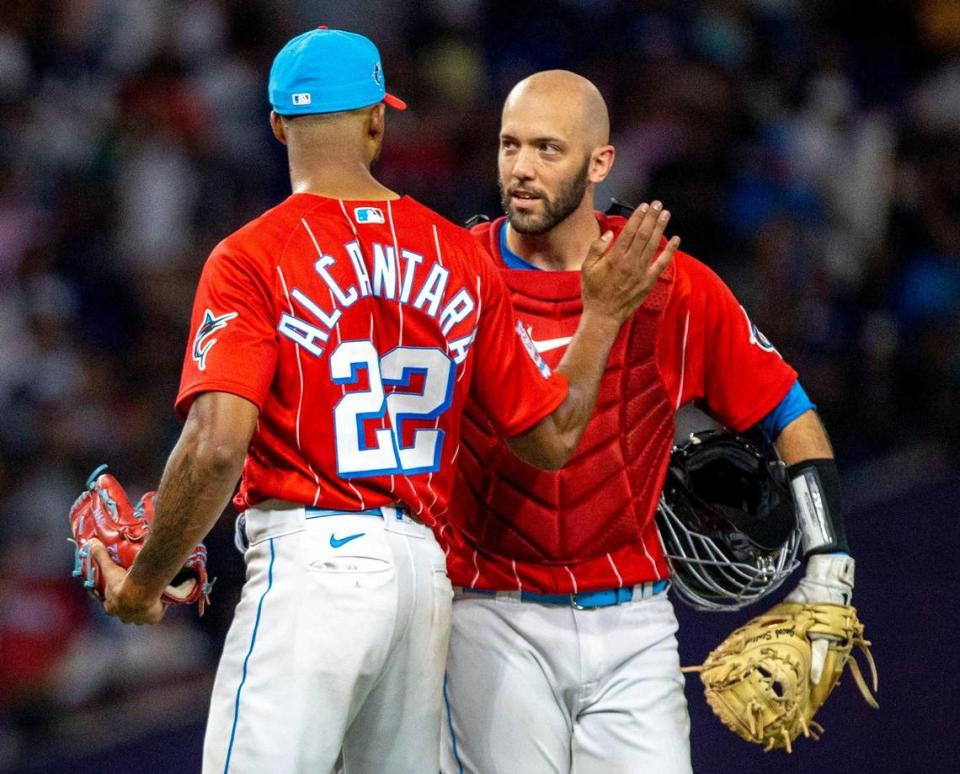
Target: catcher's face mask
(727,522)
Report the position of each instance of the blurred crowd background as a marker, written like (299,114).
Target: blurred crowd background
(809,150)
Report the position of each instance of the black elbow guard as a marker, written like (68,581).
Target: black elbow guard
(816,492)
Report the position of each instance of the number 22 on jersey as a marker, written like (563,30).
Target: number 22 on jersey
(388,454)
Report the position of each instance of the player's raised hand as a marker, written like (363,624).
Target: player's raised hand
(617,280)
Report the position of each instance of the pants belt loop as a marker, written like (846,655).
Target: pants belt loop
(391,513)
(650,589)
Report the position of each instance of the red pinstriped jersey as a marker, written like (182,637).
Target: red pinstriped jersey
(591,526)
(359,329)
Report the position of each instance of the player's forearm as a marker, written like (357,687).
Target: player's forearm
(805,449)
(615,283)
(805,438)
(191,497)
(583,364)
(196,486)
(551,443)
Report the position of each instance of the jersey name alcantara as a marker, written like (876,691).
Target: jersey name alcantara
(359,330)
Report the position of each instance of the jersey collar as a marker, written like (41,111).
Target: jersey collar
(510,258)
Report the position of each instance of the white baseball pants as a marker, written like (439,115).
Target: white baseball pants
(336,649)
(544,689)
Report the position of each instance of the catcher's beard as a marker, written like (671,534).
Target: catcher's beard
(555,210)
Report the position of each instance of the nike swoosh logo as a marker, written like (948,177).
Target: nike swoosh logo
(547,344)
(337,542)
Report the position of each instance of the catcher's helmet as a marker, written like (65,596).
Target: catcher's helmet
(727,522)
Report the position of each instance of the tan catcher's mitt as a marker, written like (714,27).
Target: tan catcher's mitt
(757,681)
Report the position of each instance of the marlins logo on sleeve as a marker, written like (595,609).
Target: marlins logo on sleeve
(202,342)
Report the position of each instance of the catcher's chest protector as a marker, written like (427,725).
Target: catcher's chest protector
(608,492)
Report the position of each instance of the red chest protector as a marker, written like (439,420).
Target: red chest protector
(608,492)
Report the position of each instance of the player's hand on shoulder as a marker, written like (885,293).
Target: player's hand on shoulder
(121,596)
(617,279)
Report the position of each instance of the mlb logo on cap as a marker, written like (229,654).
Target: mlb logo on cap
(326,71)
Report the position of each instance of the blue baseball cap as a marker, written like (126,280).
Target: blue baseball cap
(326,71)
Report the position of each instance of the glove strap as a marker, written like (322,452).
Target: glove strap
(864,647)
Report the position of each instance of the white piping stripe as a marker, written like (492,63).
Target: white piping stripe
(383,419)
(615,570)
(476,326)
(477,568)
(446,344)
(479,300)
(646,553)
(446,547)
(312,237)
(517,575)
(436,242)
(683,360)
(333,300)
(396,252)
(343,208)
(436,426)
(343,388)
(296,348)
(573,580)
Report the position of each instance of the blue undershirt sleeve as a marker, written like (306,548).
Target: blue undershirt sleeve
(794,403)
